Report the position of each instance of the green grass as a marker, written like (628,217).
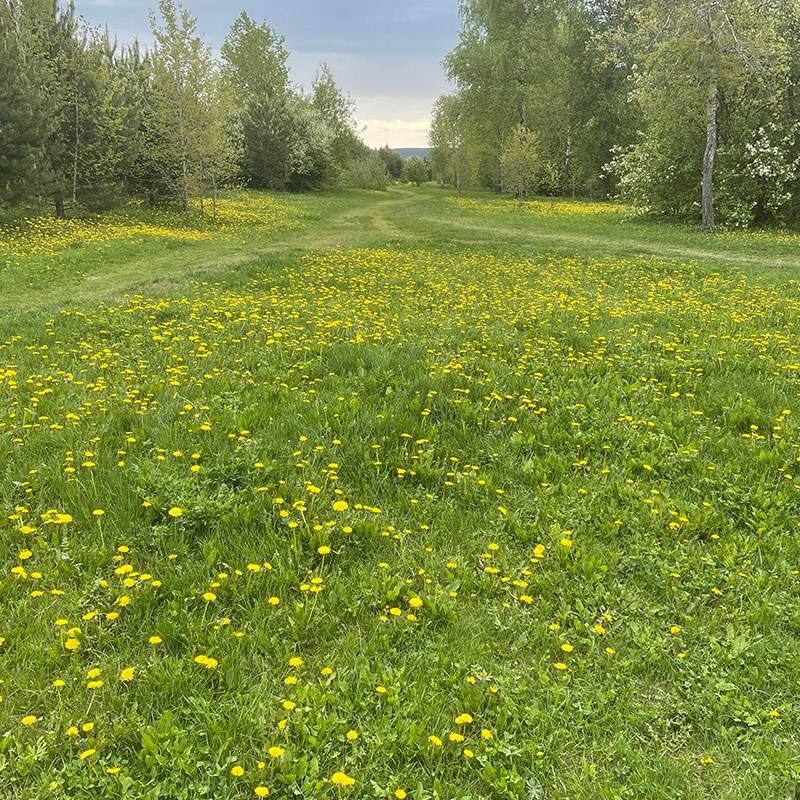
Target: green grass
(548,429)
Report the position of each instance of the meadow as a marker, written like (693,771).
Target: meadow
(398,495)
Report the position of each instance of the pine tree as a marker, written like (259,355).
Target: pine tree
(25,121)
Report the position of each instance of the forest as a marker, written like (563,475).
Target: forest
(87,123)
(687,108)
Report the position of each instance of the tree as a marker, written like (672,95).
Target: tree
(268,130)
(25,120)
(692,55)
(183,112)
(368,172)
(393,162)
(415,170)
(336,110)
(447,139)
(254,60)
(522,165)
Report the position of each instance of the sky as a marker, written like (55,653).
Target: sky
(385,54)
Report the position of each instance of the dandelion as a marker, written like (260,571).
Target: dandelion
(86,753)
(463,719)
(352,735)
(29,720)
(175,512)
(126,675)
(341,779)
(560,665)
(155,640)
(567,648)
(400,794)
(261,791)
(237,771)
(323,550)
(435,741)
(276,752)
(340,505)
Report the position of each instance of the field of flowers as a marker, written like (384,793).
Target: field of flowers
(555,207)
(403,521)
(237,214)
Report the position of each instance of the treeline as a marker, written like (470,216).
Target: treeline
(86,124)
(683,107)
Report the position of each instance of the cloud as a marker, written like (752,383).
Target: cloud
(385,54)
(395,132)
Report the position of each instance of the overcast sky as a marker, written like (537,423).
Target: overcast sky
(385,54)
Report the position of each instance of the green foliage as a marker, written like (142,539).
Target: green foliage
(415,170)
(368,172)
(25,121)
(393,162)
(521,162)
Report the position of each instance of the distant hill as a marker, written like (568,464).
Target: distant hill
(407,152)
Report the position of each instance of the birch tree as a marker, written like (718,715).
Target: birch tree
(689,56)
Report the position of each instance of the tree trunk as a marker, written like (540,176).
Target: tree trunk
(711,153)
(567,165)
(58,199)
(75,160)
(185,188)
(214,191)
(202,189)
